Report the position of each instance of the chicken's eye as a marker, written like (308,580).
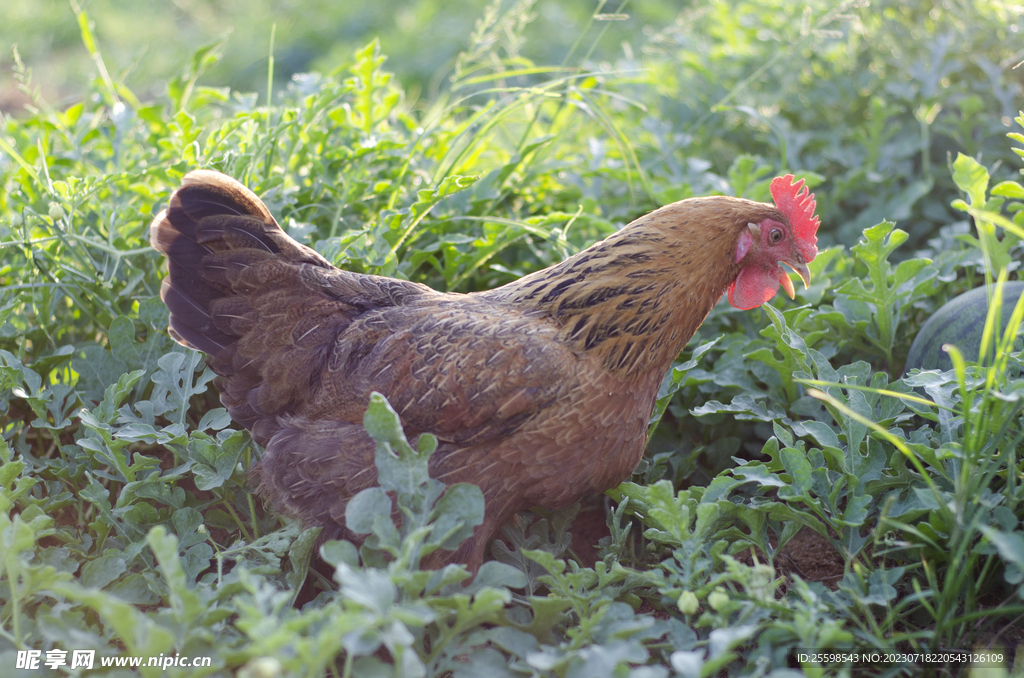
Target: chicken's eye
(775,235)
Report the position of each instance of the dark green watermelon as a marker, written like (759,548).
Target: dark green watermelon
(959,322)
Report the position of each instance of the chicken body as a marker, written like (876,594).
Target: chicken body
(539,391)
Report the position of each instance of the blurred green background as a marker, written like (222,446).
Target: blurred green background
(148,41)
(870,96)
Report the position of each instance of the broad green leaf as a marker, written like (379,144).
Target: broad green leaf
(98,573)
(799,470)
(364,508)
(185,603)
(971,177)
(1008,189)
(455,515)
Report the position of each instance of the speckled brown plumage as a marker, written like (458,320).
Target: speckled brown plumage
(539,391)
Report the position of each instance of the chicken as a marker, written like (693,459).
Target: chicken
(539,391)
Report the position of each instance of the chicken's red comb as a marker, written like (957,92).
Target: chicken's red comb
(797,203)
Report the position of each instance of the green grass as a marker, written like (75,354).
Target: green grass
(127,525)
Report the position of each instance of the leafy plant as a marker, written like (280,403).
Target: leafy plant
(126,521)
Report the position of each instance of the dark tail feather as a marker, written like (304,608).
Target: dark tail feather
(208,215)
(191,323)
(266,310)
(191,228)
(228,261)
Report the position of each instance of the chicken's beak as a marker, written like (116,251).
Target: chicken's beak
(800,268)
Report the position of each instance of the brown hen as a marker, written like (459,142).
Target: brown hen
(539,391)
